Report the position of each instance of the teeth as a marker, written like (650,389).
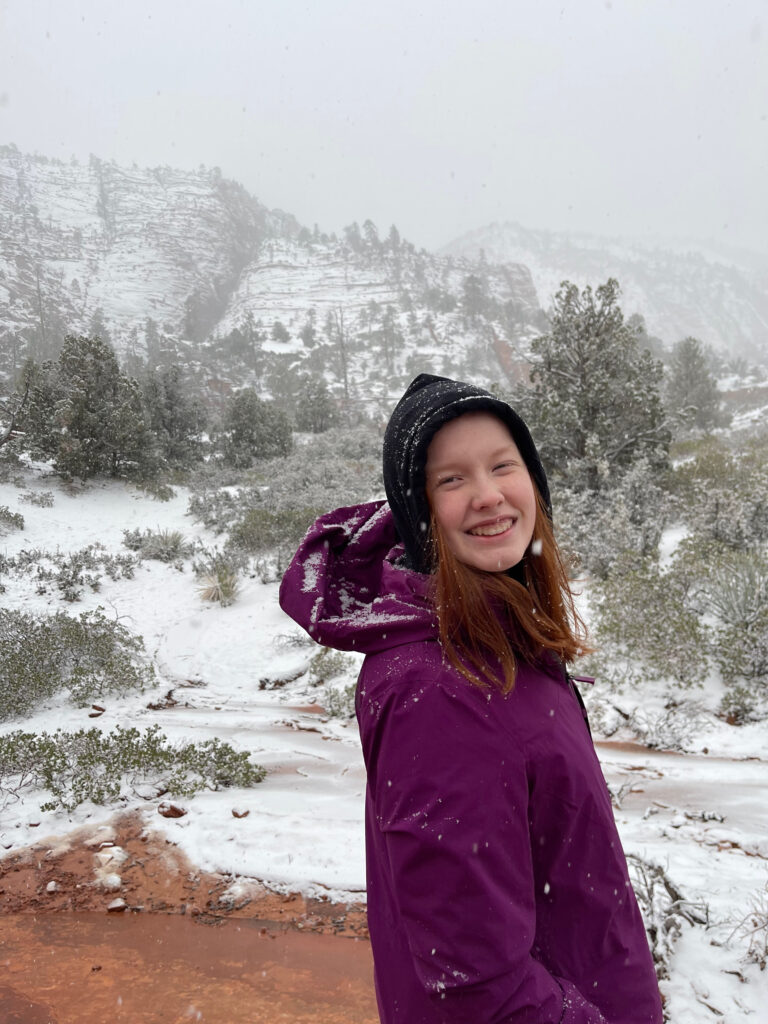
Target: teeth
(492,530)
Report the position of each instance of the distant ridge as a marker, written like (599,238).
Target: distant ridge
(716,293)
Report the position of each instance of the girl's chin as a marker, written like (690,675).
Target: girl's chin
(490,561)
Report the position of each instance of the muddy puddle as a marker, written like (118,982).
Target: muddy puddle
(89,968)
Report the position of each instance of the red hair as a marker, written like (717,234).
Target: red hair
(489,620)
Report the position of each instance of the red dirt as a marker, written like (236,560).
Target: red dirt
(182,949)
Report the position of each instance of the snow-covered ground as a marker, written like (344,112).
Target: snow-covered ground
(703,816)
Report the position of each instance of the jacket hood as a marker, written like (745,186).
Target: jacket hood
(428,404)
(345,589)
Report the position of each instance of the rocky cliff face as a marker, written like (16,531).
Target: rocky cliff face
(121,243)
(718,296)
(102,248)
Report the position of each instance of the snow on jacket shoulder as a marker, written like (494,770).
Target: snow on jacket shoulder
(497,887)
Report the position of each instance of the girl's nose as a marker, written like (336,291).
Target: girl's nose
(487,495)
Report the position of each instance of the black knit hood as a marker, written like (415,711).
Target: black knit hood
(428,403)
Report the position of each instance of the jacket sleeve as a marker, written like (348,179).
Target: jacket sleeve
(451,799)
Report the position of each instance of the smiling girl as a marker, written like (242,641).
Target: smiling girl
(497,887)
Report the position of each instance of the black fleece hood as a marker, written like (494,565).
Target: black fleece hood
(428,403)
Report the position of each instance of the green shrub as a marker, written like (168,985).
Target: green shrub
(83,568)
(103,767)
(730,586)
(327,664)
(261,529)
(219,575)
(722,495)
(740,705)
(741,652)
(163,545)
(10,520)
(88,656)
(339,702)
(644,628)
(72,572)
(43,499)
(335,468)
(624,521)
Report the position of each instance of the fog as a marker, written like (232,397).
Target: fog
(637,117)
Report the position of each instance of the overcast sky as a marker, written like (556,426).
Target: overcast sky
(611,116)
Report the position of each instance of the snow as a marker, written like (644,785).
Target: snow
(702,816)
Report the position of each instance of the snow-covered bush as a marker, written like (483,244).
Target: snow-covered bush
(752,929)
(675,727)
(328,664)
(729,588)
(262,529)
(335,468)
(43,499)
(70,572)
(622,520)
(162,545)
(644,628)
(88,656)
(101,767)
(10,520)
(79,569)
(664,908)
(218,573)
(723,495)
(339,701)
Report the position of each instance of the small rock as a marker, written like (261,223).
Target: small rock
(117,906)
(169,810)
(51,887)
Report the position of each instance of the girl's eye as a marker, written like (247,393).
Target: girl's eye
(447,480)
(504,466)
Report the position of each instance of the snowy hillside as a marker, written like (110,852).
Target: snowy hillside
(719,297)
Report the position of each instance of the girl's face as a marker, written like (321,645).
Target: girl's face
(480,492)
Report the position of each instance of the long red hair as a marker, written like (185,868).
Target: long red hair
(488,620)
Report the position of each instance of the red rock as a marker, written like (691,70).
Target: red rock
(169,810)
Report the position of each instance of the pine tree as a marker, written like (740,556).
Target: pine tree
(315,408)
(99,417)
(254,429)
(594,402)
(174,417)
(86,415)
(280,332)
(691,391)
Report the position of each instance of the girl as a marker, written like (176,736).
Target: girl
(497,887)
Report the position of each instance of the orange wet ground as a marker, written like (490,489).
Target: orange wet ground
(182,950)
(75,968)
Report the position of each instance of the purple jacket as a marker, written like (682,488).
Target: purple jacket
(497,886)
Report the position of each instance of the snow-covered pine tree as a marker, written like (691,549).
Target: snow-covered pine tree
(594,402)
(691,390)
